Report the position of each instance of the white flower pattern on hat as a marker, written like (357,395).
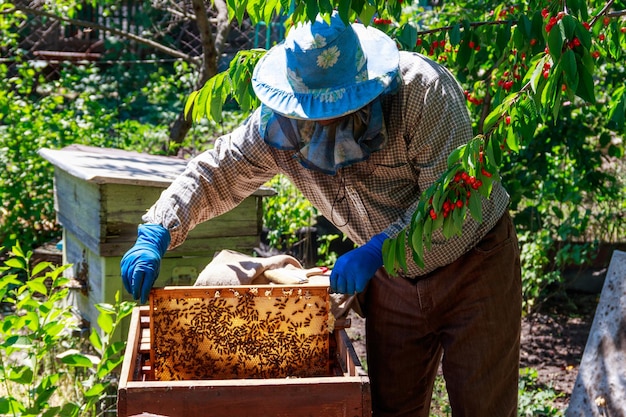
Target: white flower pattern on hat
(330,95)
(318,41)
(362,76)
(297,83)
(328,58)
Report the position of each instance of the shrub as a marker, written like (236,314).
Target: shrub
(42,366)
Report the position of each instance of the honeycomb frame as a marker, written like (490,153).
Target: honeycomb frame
(265,331)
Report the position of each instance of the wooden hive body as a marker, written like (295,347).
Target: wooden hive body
(342,391)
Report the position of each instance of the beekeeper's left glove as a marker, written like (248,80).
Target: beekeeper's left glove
(354,269)
(141,264)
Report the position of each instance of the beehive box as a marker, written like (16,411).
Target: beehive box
(341,389)
(100,196)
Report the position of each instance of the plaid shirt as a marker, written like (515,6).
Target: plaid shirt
(426,119)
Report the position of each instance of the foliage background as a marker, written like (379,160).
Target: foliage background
(563,151)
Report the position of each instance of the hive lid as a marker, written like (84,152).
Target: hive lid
(116,166)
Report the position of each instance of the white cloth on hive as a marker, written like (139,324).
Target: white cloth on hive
(230,267)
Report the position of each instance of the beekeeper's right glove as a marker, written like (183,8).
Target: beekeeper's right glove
(141,264)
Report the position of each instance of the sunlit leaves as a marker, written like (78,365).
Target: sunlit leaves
(617,109)
(235,82)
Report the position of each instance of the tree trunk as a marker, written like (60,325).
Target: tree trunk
(212,48)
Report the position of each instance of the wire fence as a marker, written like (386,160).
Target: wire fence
(172,25)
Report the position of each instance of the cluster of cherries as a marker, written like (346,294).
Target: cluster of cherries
(462,181)
(381,21)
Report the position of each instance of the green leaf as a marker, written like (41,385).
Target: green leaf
(272,7)
(105,322)
(417,241)
(21,374)
(237,9)
(18,342)
(585,88)
(568,64)
(455,155)
(105,308)
(503,37)
(367,13)
(44,394)
(10,280)
(190,102)
(512,140)
(557,212)
(95,340)
(109,366)
(428,233)
(344,9)
(11,406)
(464,54)
(555,41)
(615,151)
(96,390)
(53,329)
(408,35)
(75,359)
(583,35)
(389,255)
(617,111)
(311,9)
(569,26)
(15,263)
(214,106)
(455,35)
(69,409)
(37,286)
(476,207)
(40,267)
(448,226)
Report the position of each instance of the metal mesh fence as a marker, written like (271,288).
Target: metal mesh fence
(169,23)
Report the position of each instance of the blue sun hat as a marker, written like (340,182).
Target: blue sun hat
(326,70)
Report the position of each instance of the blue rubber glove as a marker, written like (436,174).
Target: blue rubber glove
(141,264)
(354,269)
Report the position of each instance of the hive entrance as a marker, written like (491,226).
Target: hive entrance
(241,332)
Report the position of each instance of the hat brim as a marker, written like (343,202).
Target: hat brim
(271,85)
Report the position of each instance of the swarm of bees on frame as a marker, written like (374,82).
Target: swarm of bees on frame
(242,332)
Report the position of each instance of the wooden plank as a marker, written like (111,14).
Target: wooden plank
(600,388)
(234,291)
(78,206)
(320,397)
(122,218)
(130,354)
(205,247)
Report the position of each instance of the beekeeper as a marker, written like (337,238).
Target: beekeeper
(362,130)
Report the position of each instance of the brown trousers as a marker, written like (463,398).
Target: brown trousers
(469,312)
